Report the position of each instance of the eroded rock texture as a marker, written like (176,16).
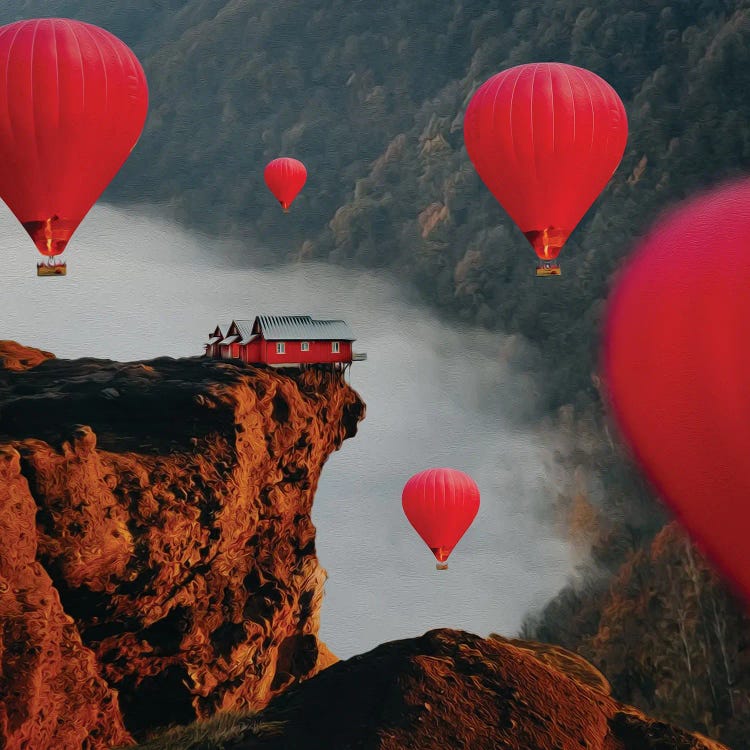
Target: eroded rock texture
(157,557)
(451,689)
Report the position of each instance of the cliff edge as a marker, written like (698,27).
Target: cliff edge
(157,557)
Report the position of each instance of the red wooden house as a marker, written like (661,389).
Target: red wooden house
(212,347)
(285,341)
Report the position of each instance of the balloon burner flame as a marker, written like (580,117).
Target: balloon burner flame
(51,235)
(547,242)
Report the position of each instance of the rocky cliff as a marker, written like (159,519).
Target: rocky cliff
(157,557)
(447,690)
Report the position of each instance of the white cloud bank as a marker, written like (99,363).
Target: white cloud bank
(140,288)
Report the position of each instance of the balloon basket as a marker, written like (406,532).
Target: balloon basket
(441,566)
(42,269)
(551,270)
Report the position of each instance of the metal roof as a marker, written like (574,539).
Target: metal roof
(303,328)
(245,327)
(213,340)
(229,340)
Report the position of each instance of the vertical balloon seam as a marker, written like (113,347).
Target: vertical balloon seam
(444,492)
(510,117)
(85,27)
(32,102)
(437,497)
(531,126)
(552,105)
(592,164)
(429,488)
(564,71)
(95,39)
(606,97)
(473,491)
(445,481)
(124,66)
(60,105)
(74,38)
(593,118)
(7,86)
(57,73)
(123,73)
(453,495)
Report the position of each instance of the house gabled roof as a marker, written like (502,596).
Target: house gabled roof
(302,328)
(218,337)
(229,340)
(245,327)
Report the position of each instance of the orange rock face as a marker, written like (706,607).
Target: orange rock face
(18,358)
(52,693)
(157,558)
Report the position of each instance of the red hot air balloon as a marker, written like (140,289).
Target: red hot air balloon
(285,178)
(441,505)
(676,364)
(73,101)
(545,138)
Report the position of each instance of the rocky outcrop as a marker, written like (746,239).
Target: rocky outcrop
(16,357)
(447,689)
(157,557)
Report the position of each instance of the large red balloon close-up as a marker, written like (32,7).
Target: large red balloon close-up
(545,138)
(441,505)
(676,364)
(73,102)
(285,177)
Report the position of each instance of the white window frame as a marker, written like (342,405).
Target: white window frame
(336,347)
(280,347)
(305,346)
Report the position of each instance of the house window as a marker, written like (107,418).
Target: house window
(280,347)
(335,347)
(305,346)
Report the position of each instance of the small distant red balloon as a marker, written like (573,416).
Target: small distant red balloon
(676,364)
(441,505)
(73,102)
(285,177)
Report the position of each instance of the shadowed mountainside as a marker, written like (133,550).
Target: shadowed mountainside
(157,557)
(446,689)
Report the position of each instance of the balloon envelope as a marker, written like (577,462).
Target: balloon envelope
(545,138)
(73,101)
(441,505)
(285,177)
(676,363)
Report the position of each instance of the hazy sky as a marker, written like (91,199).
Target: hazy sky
(139,288)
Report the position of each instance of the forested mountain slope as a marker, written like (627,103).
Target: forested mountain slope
(370,95)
